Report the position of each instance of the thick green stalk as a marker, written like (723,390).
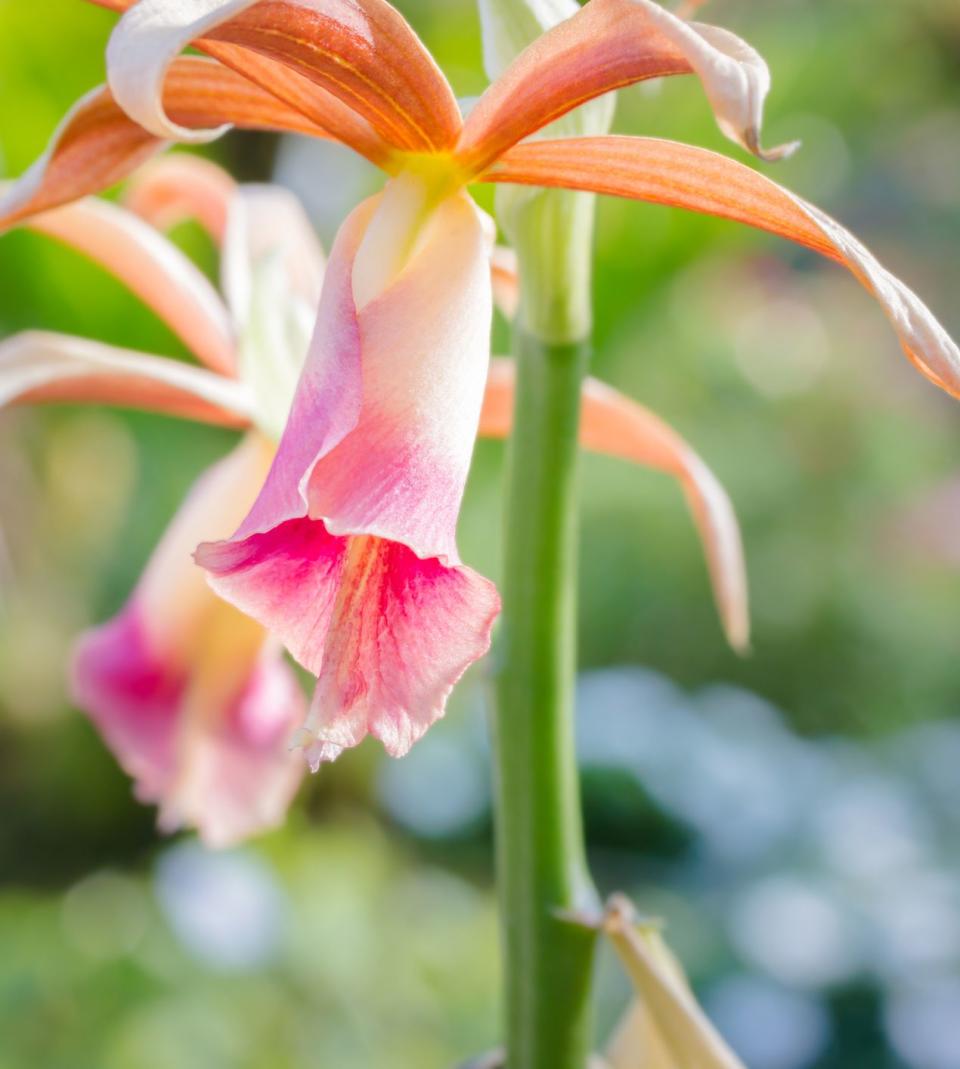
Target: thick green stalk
(541,862)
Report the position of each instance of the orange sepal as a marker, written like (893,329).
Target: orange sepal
(682,176)
(97,145)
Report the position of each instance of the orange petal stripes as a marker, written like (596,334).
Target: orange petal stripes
(667,172)
(98,145)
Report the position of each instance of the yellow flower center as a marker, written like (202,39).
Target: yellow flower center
(406,204)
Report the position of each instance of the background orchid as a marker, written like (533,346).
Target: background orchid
(340,504)
(194,699)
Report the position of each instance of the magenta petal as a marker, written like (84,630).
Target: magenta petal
(132,698)
(238,774)
(404,631)
(226,771)
(194,698)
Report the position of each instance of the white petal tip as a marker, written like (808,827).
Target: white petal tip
(751,143)
(316,751)
(740,644)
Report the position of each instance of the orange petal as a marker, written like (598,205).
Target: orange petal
(361,51)
(172,189)
(506,280)
(97,145)
(153,268)
(666,172)
(689,8)
(607,45)
(39,367)
(330,116)
(613,424)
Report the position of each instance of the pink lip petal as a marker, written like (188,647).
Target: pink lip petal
(177,187)
(404,630)
(425,350)
(153,268)
(286,577)
(131,698)
(237,774)
(349,553)
(41,367)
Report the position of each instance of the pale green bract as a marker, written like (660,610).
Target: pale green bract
(551,230)
(272,343)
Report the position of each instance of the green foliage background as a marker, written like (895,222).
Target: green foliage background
(777,367)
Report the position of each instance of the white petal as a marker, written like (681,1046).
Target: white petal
(148,37)
(735,76)
(37,366)
(266,221)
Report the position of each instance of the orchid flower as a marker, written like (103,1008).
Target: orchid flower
(349,552)
(192,696)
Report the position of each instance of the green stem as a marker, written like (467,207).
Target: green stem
(541,861)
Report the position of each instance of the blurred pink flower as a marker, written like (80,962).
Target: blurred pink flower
(194,698)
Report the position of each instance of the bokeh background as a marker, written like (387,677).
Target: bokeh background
(794,816)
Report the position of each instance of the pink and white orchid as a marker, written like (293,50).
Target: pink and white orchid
(193,696)
(349,551)
(195,699)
